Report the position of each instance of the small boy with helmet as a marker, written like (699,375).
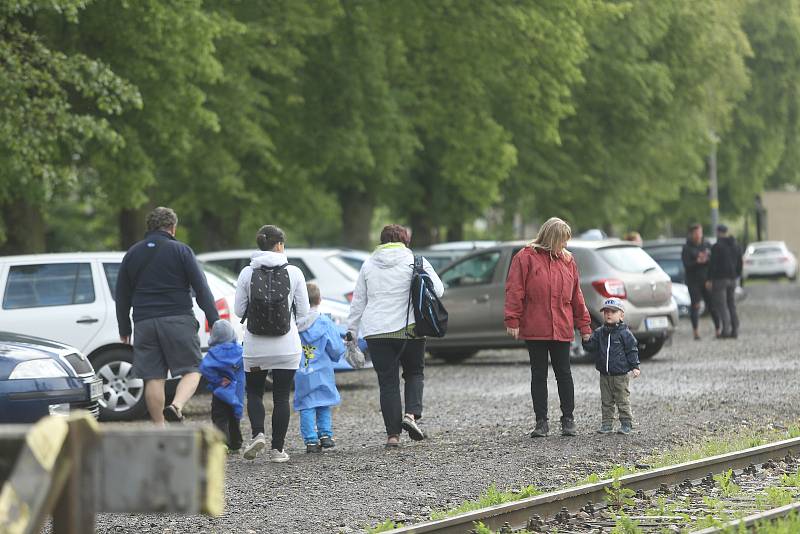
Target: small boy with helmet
(616,353)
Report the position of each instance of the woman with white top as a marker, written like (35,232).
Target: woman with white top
(380,313)
(279,354)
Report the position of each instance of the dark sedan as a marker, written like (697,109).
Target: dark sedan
(40,377)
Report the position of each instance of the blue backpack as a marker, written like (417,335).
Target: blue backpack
(430,316)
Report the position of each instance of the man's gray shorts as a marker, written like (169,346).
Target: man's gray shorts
(165,343)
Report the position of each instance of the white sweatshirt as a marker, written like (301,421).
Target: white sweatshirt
(272,352)
(380,300)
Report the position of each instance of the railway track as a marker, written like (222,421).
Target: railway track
(677,498)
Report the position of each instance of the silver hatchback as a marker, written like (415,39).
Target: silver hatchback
(475,296)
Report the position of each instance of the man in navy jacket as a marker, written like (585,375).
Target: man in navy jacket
(155,278)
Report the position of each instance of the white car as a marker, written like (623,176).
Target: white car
(769,258)
(69,298)
(333,269)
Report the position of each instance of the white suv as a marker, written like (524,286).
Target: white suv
(69,298)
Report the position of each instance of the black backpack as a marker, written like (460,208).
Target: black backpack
(429,313)
(268,312)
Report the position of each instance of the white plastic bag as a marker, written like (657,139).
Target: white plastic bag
(353,355)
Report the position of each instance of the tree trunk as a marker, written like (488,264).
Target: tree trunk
(218,233)
(358,208)
(25,228)
(131,226)
(423,231)
(455,232)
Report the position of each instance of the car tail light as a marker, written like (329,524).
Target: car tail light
(610,287)
(784,259)
(349,296)
(749,262)
(223,310)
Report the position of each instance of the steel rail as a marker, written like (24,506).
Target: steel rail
(517,513)
(751,521)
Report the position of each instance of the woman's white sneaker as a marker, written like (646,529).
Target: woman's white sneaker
(254,447)
(278,457)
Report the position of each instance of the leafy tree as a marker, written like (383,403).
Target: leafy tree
(53,107)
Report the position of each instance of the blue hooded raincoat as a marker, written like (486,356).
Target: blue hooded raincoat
(314,381)
(225,361)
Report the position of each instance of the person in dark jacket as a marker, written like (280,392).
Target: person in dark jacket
(696,254)
(616,353)
(223,369)
(155,278)
(725,267)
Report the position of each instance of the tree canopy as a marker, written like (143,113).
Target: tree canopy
(329,117)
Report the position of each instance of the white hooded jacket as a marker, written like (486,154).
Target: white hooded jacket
(380,300)
(273,352)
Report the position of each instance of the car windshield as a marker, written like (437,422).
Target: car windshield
(628,259)
(764,251)
(673,267)
(223,274)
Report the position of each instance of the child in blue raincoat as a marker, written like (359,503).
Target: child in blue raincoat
(223,369)
(314,383)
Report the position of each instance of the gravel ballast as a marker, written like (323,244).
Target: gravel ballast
(479,416)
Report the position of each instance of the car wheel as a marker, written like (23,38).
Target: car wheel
(123,393)
(651,348)
(453,356)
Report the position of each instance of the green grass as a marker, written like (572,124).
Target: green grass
(490,497)
(383,527)
(789,525)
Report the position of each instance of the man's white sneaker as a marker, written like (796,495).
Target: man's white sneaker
(254,447)
(278,457)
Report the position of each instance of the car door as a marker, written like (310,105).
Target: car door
(471,287)
(54,300)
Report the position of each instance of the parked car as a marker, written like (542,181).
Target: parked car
(441,255)
(70,298)
(40,377)
(475,296)
(769,259)
(332,269)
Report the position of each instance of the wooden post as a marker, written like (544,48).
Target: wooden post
(76,506)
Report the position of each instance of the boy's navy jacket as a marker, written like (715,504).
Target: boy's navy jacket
(614,348)
(225,361)
(314,381)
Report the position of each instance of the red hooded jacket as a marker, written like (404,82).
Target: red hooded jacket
(544,298)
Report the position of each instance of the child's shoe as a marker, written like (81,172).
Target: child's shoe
(568,427)
(605,428)
(327,442)
(625,427)
(313,447)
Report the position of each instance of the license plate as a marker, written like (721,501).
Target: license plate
(656,323)
(96,389)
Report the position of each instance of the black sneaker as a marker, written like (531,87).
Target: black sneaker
(541,430)
(568,427)
(410,426)
(327,442)
(313,447)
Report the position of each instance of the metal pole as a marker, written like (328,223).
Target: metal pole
(713,189)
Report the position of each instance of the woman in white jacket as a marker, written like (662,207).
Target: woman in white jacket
(279,354)
(380,312)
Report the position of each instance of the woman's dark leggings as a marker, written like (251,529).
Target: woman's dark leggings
(559,357)
(388,355)
(281,385)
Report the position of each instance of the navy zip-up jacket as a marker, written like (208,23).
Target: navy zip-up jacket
(163,284)
(614,348)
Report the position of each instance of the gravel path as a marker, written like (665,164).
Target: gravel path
(479,415)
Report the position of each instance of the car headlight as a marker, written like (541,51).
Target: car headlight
(38,369)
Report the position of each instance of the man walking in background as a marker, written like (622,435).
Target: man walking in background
(696,254)
(725,267)
(155,277)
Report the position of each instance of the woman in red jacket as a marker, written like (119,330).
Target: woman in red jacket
(544,305)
